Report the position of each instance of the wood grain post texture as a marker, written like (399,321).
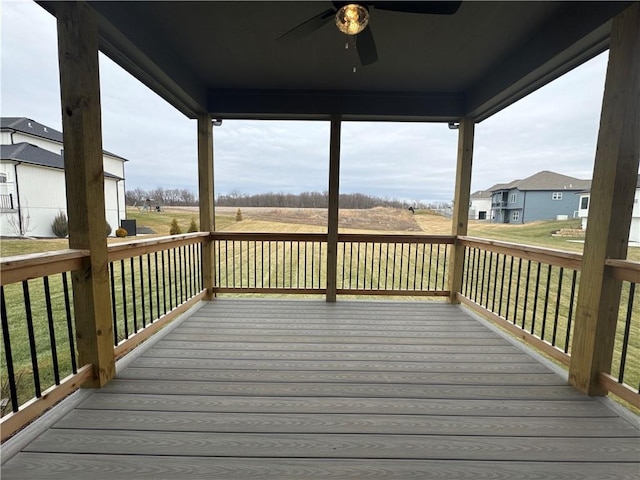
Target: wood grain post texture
(334,199)
(84,175)
(460,221)
(612,191)
(206,200)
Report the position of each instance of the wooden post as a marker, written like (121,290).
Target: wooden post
(206,199)
(84,176)
(334,198)
(460,219)
(612,191)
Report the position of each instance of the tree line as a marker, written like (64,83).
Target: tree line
(162,196)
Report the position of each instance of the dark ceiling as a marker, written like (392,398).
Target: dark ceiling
(223,57)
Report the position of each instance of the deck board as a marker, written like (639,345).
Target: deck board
(304,389)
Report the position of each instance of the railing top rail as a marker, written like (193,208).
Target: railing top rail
(560,258)
(342,237)
(399,238)
(626,270)
(118,251)
(269,236)
(34,265)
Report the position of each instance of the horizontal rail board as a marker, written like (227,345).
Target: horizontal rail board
(287,290)
(624,391)
(35,265)
(136,248)
(560,258)
(625,270)
(385,238)
(268,237)
(390,292)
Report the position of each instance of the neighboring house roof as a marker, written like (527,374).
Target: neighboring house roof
(588,190)
(489,191)
(26,153)
(31,127)
(546,180)
(481,194)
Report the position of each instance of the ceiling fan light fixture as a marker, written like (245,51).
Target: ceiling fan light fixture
(351,19)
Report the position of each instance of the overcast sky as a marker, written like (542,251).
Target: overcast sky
(554,129)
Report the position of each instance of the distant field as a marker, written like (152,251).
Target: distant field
(376,220)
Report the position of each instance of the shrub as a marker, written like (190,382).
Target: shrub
(109,229)
(121,232)
(60,225)
(174,229)
(193,226)
(238,216)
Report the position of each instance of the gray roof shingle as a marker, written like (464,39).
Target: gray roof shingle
(545,180)
(26,153)
(31,127)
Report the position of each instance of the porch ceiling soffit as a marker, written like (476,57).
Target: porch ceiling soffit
(223,57)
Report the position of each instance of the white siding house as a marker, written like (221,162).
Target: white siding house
(480,205)
(32,181)
(634,231)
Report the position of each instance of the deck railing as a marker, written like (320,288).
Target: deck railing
(414,265)
(6,201)
(366,264)
(152,282)
(532,292)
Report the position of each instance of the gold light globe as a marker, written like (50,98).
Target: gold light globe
(351,19)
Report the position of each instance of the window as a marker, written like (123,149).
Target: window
(3,177)
(513,198)
(515,216)
(556,196)
(584,203)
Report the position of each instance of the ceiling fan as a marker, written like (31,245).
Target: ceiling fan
(353,19)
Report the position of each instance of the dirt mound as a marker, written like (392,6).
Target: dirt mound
(378,218)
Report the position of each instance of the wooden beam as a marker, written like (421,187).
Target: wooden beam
(323,104)
(206,199)
(460,220)
(612,191)
(84,175)
(334,198)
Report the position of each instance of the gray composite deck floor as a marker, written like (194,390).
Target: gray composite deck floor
(304,389)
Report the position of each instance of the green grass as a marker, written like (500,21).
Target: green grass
(359,266)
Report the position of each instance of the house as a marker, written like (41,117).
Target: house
(32,180)
(480,205)
(634,231)
(543,196)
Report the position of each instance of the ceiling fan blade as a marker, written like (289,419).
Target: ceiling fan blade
(432,8)
(308,26)
(366,46)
